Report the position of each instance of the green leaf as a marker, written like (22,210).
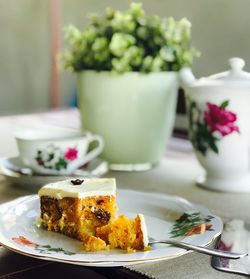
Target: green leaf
(61,164)
(51,156)
(48,249)
(45,246)
(213,146)
(224,104)
(68,253)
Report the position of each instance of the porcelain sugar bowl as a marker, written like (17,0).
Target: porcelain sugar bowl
(219,126)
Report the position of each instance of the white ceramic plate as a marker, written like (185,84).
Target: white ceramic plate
(19,232)
(13,170)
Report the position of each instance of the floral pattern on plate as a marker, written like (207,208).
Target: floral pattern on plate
(191,223)
(46,249)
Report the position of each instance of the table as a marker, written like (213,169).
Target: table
(174,175)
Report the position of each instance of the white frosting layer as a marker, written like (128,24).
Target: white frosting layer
(144,229)
(89,188)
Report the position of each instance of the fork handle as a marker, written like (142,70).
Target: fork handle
(204,250)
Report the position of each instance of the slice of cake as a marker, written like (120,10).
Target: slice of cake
(85,210)
(77,207)
(125,233)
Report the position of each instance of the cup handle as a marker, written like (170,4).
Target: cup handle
(96,151)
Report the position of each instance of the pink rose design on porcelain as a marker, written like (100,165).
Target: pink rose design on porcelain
(54,158)
(71,154)
(221,120)
(207,128)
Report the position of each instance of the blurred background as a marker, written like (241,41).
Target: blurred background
(31,35)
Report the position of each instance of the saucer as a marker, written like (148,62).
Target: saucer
(17,173)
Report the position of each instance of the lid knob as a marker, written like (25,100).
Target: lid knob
(236,64)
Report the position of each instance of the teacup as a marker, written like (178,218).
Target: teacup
(57,152)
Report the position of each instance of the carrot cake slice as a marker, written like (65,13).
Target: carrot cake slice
(76,207)
(85,209)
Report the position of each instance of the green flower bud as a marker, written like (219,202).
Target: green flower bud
(89,34)
(157,64)
(72,35)
(167,54)
(133,55)
(100,44)
(109,13)
(120,42)
(123,22)
(185,25)
(100,49)
(142,32)
(120,65)
(136,10)
(147,63)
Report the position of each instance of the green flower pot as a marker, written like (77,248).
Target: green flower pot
(133,112)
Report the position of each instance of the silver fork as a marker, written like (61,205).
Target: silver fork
(200,249)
